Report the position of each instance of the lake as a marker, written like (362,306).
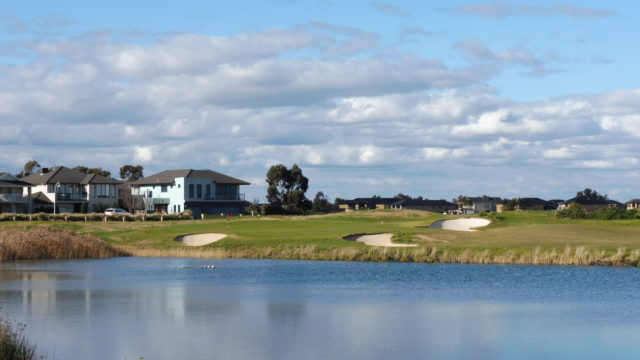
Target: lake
(170,308)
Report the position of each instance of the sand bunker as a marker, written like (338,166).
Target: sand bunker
(460,224)
(377,240)
(200,239)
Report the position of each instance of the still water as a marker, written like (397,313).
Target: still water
(127,308)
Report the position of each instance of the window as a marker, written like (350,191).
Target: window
(178,208)
(163,188)
(191,191)
(199,188)
(207,191)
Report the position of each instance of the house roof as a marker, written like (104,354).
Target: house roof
(8,179)
(485,198)
(633,201)
(532,202)
(369,201)
(425,202)
(169,176)
(586,201)
(64,175)
(41,197)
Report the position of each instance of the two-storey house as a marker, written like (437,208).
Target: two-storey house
(201,191)
(12,195)
(68,189)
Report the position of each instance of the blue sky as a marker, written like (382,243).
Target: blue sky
(435,98)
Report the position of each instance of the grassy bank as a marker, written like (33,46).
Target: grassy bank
(14,345)
(512,238)
(43,242)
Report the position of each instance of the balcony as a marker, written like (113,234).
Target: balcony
(71,197)
(13,198)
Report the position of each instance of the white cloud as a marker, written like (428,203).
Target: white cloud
(560,153)
(144,154)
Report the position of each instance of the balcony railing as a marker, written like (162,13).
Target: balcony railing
(71,197)
(223,197)
(13,198)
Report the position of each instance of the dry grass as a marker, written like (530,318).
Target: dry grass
(580,255)
(51,243)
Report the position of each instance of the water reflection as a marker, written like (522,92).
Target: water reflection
(127,308)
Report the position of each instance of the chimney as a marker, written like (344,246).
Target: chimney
(44,171)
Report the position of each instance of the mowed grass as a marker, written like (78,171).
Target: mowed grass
(514,237)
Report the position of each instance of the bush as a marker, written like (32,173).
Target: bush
(613,213)
(14,344)
(574,211)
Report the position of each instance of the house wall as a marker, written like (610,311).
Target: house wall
(432,208)
(108,200)
(481,206)
(632,206)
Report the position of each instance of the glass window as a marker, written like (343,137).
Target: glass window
(163,188)
(199,188)
(207,191)
(191,191)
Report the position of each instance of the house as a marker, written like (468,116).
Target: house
(475,205)
(67,190)
(590,205)
(522,204)
(201,191)
(366,203)
(633,204)
(439,206)
(12,198)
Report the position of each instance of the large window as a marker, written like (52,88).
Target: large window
(163,188)
(207,191)
(104,190)
(191,191)
(199,188)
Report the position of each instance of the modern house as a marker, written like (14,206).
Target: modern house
(67,190)
(12,195)
(439,206)
(590,205)
(476,205)
(201,191)
(366,203)
(522,204)
(633,204)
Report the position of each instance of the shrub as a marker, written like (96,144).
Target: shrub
(613,213)
(574,211)
(14,344)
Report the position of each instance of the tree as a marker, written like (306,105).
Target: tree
(129,201)
(30,168)
(88,170)
(321,204)
(131,172)
(286,189)
(590,195)
(402,196)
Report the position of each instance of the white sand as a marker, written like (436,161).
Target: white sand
(377,240)
(200,239)
(460,224)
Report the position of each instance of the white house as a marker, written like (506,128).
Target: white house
(68,189)
(15,195)
(201,191)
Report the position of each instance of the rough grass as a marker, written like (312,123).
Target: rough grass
(14,345)
(44,242)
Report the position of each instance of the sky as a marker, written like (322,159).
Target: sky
(430,98)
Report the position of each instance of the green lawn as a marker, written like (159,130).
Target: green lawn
(522,235)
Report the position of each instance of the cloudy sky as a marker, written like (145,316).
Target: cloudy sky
(432,98)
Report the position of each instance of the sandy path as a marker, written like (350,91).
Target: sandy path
(377,240)
(200,239)
(460,224)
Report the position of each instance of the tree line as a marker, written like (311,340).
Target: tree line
(127,172)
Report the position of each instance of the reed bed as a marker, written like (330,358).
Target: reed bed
(14,344)
(579,256)
(42,243)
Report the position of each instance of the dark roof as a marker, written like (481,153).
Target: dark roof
(485,198)
(169,176)
(41,197)
(8,179)
(586,201)
(64,175)
(425,202)
(369,201)
(532,201)
(633,201)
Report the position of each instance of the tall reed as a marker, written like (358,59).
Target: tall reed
(14,345)
(51,243)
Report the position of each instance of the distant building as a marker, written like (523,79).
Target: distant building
(69,189)
(633,204)
(479,204)
(15,195)
(201,191)
(371,203)
(590,205)
(439,206)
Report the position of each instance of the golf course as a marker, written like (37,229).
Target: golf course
(526,237)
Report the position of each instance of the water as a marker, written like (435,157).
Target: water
(268,309)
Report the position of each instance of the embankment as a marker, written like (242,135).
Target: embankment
(42,243)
